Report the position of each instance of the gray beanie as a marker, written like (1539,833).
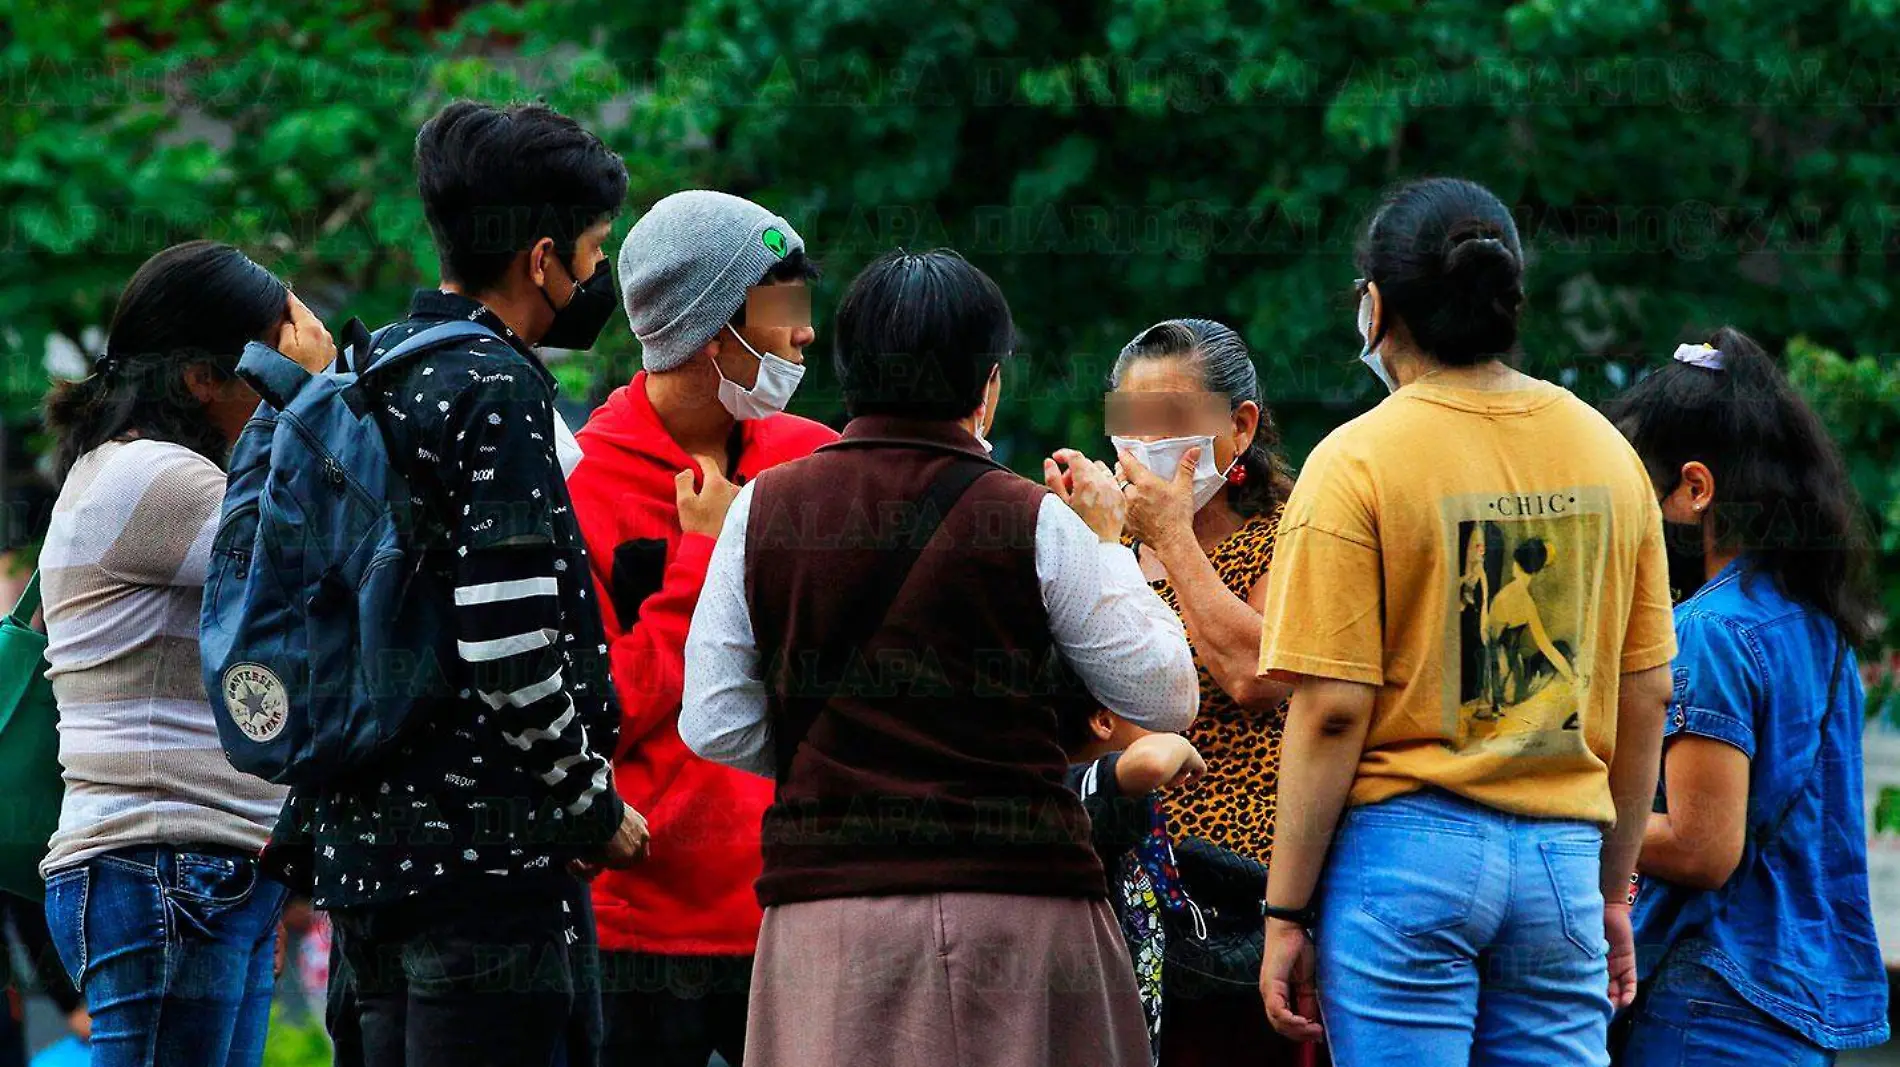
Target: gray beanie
(686,266)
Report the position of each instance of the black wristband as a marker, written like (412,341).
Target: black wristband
(1306,918)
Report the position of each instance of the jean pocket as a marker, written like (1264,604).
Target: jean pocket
(1575,868)
(1730,1033)
(1416,875)
(67,894)
(210,878)
(205,890)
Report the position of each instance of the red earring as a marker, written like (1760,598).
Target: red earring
(1237,476)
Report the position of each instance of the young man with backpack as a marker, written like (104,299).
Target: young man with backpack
(449,862)
(715,289)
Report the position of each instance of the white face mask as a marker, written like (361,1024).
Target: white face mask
(778,380)
(1164,459)
(566,448)
(982,438)
(1369,355)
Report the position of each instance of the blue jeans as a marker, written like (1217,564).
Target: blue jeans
(1691,1016)
(1450,932)
(173,949)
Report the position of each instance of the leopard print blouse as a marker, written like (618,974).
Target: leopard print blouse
(1234,804)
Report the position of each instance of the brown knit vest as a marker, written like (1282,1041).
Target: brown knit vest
(934,765)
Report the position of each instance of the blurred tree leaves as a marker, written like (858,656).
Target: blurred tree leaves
(1859,400)
(1110,162)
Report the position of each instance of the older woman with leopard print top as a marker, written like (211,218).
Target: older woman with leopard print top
(1204,484)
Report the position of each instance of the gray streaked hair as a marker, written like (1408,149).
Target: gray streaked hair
(1227,368)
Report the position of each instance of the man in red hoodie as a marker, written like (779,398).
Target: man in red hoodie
(715,288)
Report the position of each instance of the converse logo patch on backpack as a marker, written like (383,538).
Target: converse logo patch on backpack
(254,697)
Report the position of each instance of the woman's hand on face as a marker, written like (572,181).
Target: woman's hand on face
(304,340)
(1160,503)
(1087,486)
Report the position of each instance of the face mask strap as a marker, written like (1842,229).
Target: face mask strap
(574,285)
(996,375)
(756,354)
(1366,332)
(717,369)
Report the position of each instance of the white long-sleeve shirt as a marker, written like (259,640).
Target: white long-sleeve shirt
(1126,645)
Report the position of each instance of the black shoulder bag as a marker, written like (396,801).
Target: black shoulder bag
(1218,951)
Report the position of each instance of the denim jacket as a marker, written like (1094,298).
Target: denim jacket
(1792,931)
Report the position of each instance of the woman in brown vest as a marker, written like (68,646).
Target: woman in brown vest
(1197,451)
(931,896)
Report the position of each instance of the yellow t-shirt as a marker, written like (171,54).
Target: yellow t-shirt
(1493,562)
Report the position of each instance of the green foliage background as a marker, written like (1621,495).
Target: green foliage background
(1112,162)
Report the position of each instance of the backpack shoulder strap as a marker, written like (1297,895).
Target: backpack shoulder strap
(275,376)
(369,365)
(353,345)
(424,340)
(278,379)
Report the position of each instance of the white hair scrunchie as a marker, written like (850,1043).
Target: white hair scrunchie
(1702,356)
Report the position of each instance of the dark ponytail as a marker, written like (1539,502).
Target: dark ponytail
(1446,257)
(1226,368)
(1782,492)
(193,304)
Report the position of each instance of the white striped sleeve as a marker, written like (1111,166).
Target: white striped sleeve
(526,695)
(501,592)
(504,647)
(526,739)
(511,593)
(508,612)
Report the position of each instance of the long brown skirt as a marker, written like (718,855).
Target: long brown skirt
(944,980)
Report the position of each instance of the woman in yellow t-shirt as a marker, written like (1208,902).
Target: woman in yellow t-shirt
(1470,598)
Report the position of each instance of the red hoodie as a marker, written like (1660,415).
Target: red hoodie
(692,895)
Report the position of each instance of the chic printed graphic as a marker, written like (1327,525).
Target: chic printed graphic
(1522,612)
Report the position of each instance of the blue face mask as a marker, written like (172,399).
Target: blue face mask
(1369,355)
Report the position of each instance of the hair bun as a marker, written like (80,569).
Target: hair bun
(1478,257)
(1446,255)
(1486,271)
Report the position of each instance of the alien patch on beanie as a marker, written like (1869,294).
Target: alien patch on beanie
(774,241)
